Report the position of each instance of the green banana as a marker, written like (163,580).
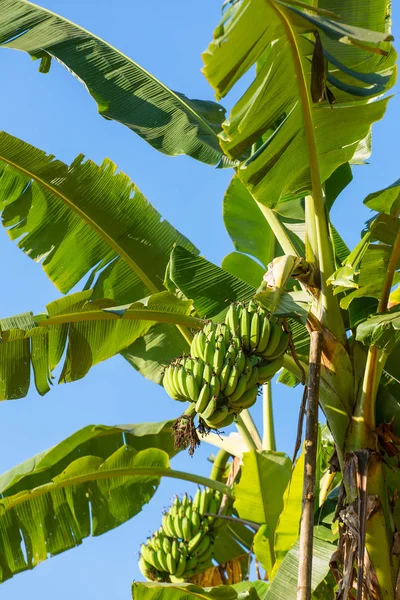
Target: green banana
(196,500)
(223,378)
(227,421)
(241,360)
(203,506)
(168,383)
(246,400)
(165,525)
(210,409)
(252,380)
(207,373)
(204,544)
(215,386)
(198,371)
(195,541)
(248,368)
(254,331)
(186,529)
(267,371)
(219,357)
(210,348)
(196,521)
(191,386)
(274,338)
(240,388)
(175,549)
(145,568)
(204,398)
(178,526)
(232,319)
(218,416)
(212,508)
(166,544)
(171,564)
(232,380)
(265,331)
(280,349)
(181,567)
(182,376)
(245,328)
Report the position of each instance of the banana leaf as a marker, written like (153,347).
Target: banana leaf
(122,89)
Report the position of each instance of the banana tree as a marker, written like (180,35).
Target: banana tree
(215,336)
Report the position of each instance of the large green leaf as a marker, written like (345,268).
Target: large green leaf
(89,331)
(385,201)
(124,91)
(245,268)
(284,584)
(212,288)
(276,111)
(86,211)
(259,494)
(187,591)
(57,509)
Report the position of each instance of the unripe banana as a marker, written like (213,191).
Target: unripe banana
(219,357)
(191,563)
(198,372)
(210,409)
(178,526)
(232,380)
(195,541)
(227,421)
(166,544)
(212,508)
(203,546)
(280,349)
(252,380)
(240,389)
(196,522)
(232,319)
(254,330)
(196,500)
(186,529)
(166,526)
(274,338)
(210,348)
(181,567)
(204,499)
(245,328)
(204,398)
(145,568)
(191,386)
(231,353)
(171,564)
(265,331)
(246,400)
(175,549)
(218,416)
(168,384)
(215,386)
(207,373)
(241,360)
(182,375)
(223,379)
(268,370)
(248,368)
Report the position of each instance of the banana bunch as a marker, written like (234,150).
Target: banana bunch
(256,332)
(183,545)
(227,363)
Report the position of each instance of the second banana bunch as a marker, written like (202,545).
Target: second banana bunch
(183,545)
(227,364)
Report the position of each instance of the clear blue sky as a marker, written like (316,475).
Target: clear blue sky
(55,113)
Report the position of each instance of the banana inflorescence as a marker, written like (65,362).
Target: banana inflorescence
(227,364)
(183,545)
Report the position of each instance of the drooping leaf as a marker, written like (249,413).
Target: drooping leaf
(259,493)
(89,331)
(385,201)
(212,287)
(188,591)
(276,112)
(87,211)
(123,91)
(52,510)
(381,330)
(284,584)
(233,541)
(244,267)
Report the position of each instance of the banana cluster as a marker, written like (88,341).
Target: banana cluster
(183,545)
(227,363)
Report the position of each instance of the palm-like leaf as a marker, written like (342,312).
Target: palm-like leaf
(302,143)
(90,332)
(124,91)
(89,212)
(90,483)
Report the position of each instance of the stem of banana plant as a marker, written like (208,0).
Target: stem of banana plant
(244,432)
(219,465)
(331,316)
(310,459)
(268,442)
(251,427)
(278,230)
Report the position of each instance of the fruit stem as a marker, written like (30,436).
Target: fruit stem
(244,432)
(252,428)
(269,442)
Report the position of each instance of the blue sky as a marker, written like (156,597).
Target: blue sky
(55,113)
